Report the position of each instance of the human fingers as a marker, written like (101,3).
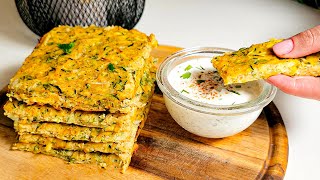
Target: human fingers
(302,44)
(303,86)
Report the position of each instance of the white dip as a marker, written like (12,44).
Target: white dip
(191,74)
(198,80)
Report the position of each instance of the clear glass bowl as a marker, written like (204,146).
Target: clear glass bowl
(203,119)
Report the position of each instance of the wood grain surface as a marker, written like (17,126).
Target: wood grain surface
(166,151)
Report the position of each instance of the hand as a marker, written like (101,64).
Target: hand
(302,44)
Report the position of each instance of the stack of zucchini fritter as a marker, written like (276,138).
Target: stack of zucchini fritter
(83,94)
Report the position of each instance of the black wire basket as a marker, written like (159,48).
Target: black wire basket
(43,15)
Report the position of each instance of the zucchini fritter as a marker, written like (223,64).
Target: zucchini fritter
(54,143)
(102,159)
(73,132)
(19,111)
(259,62)
(90,69)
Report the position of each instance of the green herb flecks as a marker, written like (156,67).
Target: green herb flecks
(186,75)
(49,59)
(199,81)
(95,57)
(115,96)
(123,68)
(251,67)
(188,68)
(27,77)
(52,88)
(111,67)
(238,86)
(236,92)
(184,91)
(66,47)
(201,68)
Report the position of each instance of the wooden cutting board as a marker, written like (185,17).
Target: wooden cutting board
(166,151)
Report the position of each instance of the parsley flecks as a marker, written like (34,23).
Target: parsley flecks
(186,75)
(123,68)
(251,67)
(188,68)
(184,91)
(199,81)
(66,47)
(238,86)
(111,67)
(234,92)
(201,68)
(49,59)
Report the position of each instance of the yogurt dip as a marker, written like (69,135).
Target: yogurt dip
(198,80)
(198,101)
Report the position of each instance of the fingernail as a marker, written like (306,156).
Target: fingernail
(283,47)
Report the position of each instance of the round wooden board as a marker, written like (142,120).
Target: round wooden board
(167,151)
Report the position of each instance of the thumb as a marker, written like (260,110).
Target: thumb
(303,86)
(302,44)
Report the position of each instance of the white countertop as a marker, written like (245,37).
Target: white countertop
(229,24)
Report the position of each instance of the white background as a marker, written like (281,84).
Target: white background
(218,23)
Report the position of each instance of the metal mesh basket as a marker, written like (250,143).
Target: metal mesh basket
(42,15)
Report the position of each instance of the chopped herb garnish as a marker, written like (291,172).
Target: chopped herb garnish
(186,75)
(201,68)
(238,86)
(251,67)
(184,91)
(52,87)
(188,68)
(199,81)
(123,68)
(94,57)
(49,59)
(115,96)
(27,77)
(66,47)
(111,67)
(234,92)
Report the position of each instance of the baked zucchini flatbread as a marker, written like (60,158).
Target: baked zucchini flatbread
(25,114)
(19,111)
(73,132)
(104,160)
(54,143)
(90,69)
(259,62)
